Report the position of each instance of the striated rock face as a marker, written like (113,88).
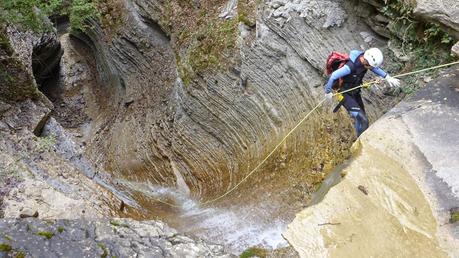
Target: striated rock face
(399,188)
(205,136)
(126,102)
(188,142)
(100,238)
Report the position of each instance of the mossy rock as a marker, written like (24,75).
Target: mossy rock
(104,249)
(254,252)
(454,215)
(60,229)
(20,254)
(5,247)
(46,234)
(118,224)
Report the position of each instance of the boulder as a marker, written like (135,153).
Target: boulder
(445,12)
(455,49)
(399,188)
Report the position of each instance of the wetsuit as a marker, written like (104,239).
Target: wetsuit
(352,73)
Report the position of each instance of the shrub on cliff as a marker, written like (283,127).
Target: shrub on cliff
(428,42)
(30,14)
(33,14)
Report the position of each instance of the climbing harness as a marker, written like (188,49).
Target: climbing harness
(366,84)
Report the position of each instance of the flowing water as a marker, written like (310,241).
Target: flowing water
(238,224)
(237,227)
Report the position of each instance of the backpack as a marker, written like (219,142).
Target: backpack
(335,61)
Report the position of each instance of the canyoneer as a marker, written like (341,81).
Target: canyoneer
(347,72)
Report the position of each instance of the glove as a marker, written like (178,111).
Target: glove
(328,97)
(393,82)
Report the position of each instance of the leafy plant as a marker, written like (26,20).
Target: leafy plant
(81,11)
(31,14)
(426,41)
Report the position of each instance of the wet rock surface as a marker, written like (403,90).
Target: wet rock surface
(124,107)
(120,107)
(204,132)
(406,163)
(159,136)
(102,238)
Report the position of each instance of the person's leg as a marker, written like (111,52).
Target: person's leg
(358,99)
(361,122)
(360,119)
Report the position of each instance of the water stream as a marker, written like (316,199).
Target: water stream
(237,227)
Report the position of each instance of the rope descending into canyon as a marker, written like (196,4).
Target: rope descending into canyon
(298,124)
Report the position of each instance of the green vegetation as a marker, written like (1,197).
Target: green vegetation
(60,229)
(207,52)
(9,171)
(20,254)
(118,224)
(247,12)
(80,11)
(46,234)
(254,252)
(427,42)
(5,45)
(9,238)
(5,247)
(104,248)
(201,40)
(454,216)
(33,14)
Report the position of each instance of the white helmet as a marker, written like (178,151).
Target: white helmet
(374,57)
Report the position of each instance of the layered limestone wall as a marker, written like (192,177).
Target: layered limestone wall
(205,136)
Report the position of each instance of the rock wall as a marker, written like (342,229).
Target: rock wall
(205,136)
(36,179)
(99,238)
(22,104)
(443,12)
(398,191)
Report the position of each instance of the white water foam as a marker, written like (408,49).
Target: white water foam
(237,228)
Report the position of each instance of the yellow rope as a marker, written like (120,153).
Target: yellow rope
(294,128)
(267,157)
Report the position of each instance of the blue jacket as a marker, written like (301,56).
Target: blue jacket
(346,70)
